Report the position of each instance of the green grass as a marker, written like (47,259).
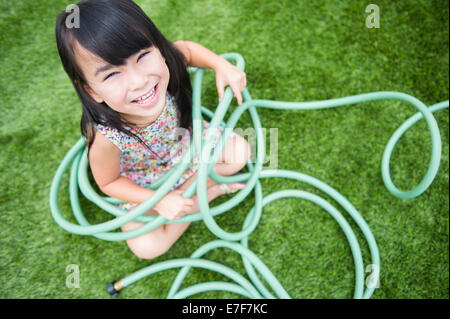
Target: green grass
(294,51)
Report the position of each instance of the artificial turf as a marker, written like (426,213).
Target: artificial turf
(294,51)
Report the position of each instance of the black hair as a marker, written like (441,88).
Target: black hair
(114,30)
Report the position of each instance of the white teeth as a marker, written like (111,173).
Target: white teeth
(145,99)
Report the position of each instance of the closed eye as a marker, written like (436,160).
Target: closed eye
(113,73)
(109,75)
(143,54)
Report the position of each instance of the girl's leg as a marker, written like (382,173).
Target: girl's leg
(154,243)
(234,157)
(158,241)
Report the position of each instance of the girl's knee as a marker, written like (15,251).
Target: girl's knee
(148,250)
(241,151)
(148,246)
(237,151)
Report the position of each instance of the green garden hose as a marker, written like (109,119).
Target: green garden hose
(77,156)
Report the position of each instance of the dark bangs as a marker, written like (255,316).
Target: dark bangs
(114,30)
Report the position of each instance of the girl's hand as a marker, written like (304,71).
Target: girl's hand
(173,206)
(228,74)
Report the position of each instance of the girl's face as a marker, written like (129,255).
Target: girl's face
(136,89)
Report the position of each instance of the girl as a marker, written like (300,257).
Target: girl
(135,92)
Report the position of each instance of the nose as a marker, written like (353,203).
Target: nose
(136,79)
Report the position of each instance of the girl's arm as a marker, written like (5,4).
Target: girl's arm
(226,73)
(199,56)
(104,160)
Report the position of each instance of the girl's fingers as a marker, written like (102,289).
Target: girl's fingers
(179,191)
(220,90)
(237,94)
(237,91)
(239,98)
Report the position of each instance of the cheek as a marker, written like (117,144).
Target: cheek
(157,67)
(167,73)
(115,95)
(165,76)
(165,70)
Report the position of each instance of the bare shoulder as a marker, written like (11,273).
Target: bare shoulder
(104,160)
(102,147)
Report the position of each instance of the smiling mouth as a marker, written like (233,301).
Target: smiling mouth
(148,97)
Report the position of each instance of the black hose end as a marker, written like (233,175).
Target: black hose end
(111,290)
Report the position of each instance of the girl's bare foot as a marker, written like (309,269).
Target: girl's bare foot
(214,192)
(230,188)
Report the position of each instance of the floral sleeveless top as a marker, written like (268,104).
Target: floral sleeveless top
(166,144)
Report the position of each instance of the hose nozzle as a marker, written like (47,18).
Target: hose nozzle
(114,288)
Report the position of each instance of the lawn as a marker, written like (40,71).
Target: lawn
(294,51)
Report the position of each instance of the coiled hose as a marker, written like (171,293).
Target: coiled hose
(238,241)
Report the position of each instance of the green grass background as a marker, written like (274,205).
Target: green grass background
(294,51)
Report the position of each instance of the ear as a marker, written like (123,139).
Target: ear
(92,94)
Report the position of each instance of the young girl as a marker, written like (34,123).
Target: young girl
(135,92)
